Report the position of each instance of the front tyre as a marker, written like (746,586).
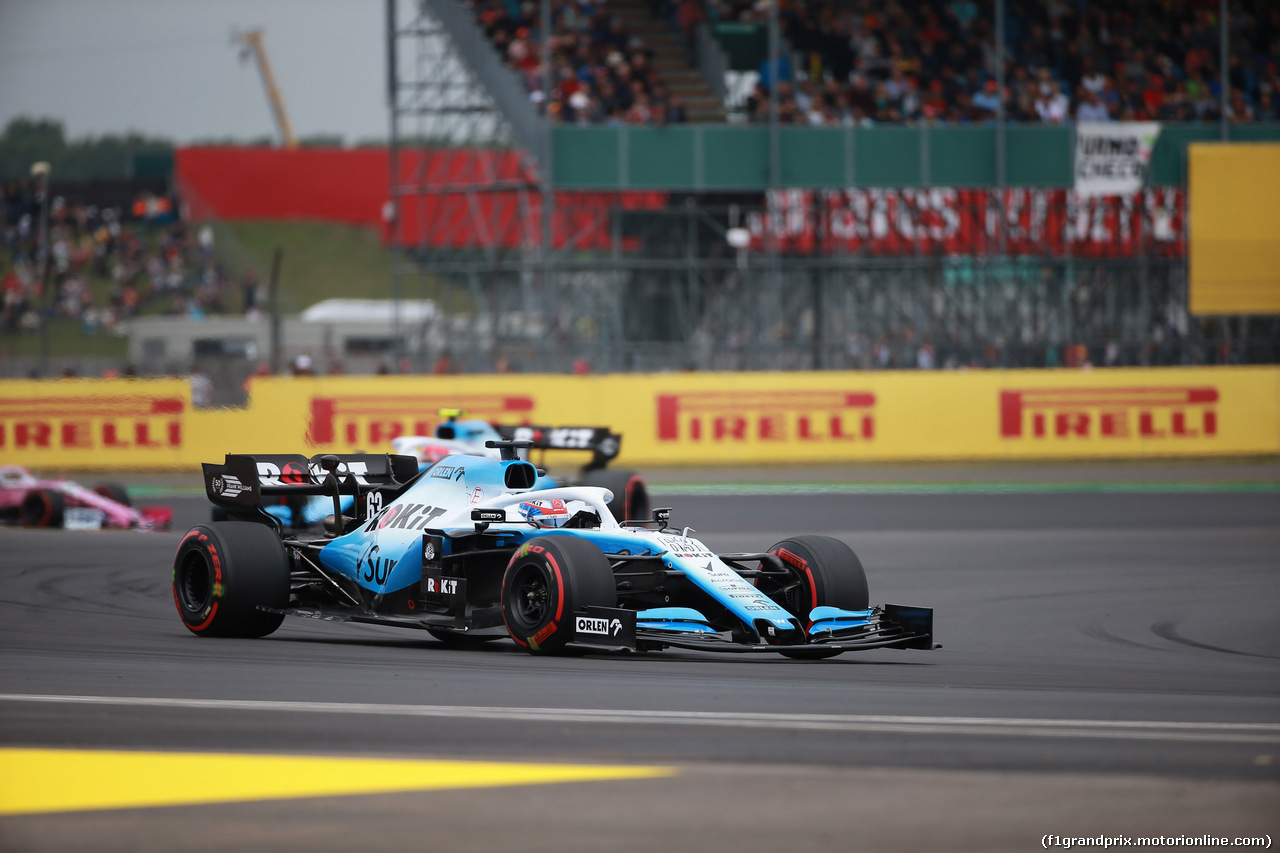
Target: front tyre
(44,508)
(224,573)
(546,581)
(825,573)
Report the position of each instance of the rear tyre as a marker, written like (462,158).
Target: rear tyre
(115,492)
(224,573)
(630,496)
(44,508)
(826,573)
(546,581)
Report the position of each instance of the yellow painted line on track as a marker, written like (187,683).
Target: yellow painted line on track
(36,781)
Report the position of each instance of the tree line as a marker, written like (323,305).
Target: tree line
(32,140)
(26,141)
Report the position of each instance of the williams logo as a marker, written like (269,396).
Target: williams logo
(228,487)
(1105,413)
(728,416)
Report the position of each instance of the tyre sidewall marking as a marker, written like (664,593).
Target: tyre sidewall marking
(545,559)
(211,559)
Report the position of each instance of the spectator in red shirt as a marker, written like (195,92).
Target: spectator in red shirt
(1153,94)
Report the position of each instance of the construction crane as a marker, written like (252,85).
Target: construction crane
(251,43)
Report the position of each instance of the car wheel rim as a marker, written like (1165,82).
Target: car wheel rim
(194,583)
(38,510)
(531,596)
(797,596)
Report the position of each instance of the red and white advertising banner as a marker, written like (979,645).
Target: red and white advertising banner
(944,221)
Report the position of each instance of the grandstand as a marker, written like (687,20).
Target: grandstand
(635,189)
(873,63)
(890,219)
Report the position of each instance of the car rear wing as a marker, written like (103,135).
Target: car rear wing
(601,441)
(240,483)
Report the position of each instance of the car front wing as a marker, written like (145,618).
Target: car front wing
(888,626)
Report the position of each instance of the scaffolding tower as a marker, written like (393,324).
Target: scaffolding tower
(463,198)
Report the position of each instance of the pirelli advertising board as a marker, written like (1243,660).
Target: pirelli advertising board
(713,418)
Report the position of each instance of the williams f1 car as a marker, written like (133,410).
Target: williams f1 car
(458,435)
(472,436)
(37,502)
(469,550)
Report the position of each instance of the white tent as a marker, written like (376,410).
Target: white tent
(412,311)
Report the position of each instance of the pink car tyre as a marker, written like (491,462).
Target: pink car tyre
(43,508)
(113,491)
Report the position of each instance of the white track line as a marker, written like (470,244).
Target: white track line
(983,726)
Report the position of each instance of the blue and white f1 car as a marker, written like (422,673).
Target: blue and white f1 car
(459,435)
(469,551)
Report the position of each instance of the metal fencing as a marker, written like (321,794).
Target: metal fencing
(672,294)
(862,314)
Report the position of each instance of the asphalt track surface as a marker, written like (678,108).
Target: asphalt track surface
(1111,665)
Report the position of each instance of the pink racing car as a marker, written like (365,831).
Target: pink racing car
(62,503)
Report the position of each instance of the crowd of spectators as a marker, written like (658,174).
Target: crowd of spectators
(600,73)
(863,62)
(867,61)
(905,350)
(106,265)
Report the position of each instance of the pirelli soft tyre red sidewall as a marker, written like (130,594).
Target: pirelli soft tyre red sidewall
(548,579)
(831,575)
(44,508)
(224,572)
(630,495)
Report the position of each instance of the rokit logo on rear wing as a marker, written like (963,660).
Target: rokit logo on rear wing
(244,479)
(296,474)
(563,438)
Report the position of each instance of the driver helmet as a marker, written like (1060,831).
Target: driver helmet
(553,512)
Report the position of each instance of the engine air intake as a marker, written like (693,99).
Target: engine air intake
(520,475)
